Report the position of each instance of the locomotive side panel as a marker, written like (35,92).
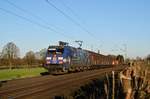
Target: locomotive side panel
(79,58)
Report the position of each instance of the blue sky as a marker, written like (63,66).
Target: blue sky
(110,25)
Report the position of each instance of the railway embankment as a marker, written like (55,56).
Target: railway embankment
(48,87)
(105,86)
(131,83)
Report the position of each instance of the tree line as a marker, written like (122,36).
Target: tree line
(10,57)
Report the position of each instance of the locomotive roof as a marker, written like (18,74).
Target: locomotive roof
(55,46)
(58,46)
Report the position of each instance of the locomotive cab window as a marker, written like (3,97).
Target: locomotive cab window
(51,51)
(55,51)
(60,51)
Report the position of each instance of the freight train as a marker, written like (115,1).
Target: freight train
(66,58)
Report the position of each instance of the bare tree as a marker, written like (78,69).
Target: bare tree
(148,59)
(30,58)
(138,58)
(10,52)
(43,55)
(43,52)
(0,58)
(0,55)
(40,56)
(120,58)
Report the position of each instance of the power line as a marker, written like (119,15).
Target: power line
(73,21)
(24,18)
(33,22)
(74,14)
(44,25)
(69,18)
(27,12)
(33,15)
(71,10)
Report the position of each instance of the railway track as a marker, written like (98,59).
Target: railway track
(49,86)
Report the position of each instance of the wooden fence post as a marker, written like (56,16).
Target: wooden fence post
(113,85)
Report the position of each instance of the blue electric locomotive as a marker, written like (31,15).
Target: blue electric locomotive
(67,58)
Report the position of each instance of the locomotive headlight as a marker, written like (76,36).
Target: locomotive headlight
(60,58)
(48,58)
(65,60)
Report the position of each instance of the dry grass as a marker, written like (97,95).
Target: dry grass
(139,82)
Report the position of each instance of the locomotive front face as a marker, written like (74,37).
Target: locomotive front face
(54,56)
(57,58)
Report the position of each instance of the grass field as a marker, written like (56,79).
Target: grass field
(20,73)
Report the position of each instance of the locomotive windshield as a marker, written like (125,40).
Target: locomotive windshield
(55,50)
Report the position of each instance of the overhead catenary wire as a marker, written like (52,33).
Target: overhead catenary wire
(33,22)
(44,24)
(70,18)
(25,11)
(37,17)
(43,21)
(71,11)
(73,21)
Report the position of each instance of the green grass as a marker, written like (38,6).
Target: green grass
(20,73)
